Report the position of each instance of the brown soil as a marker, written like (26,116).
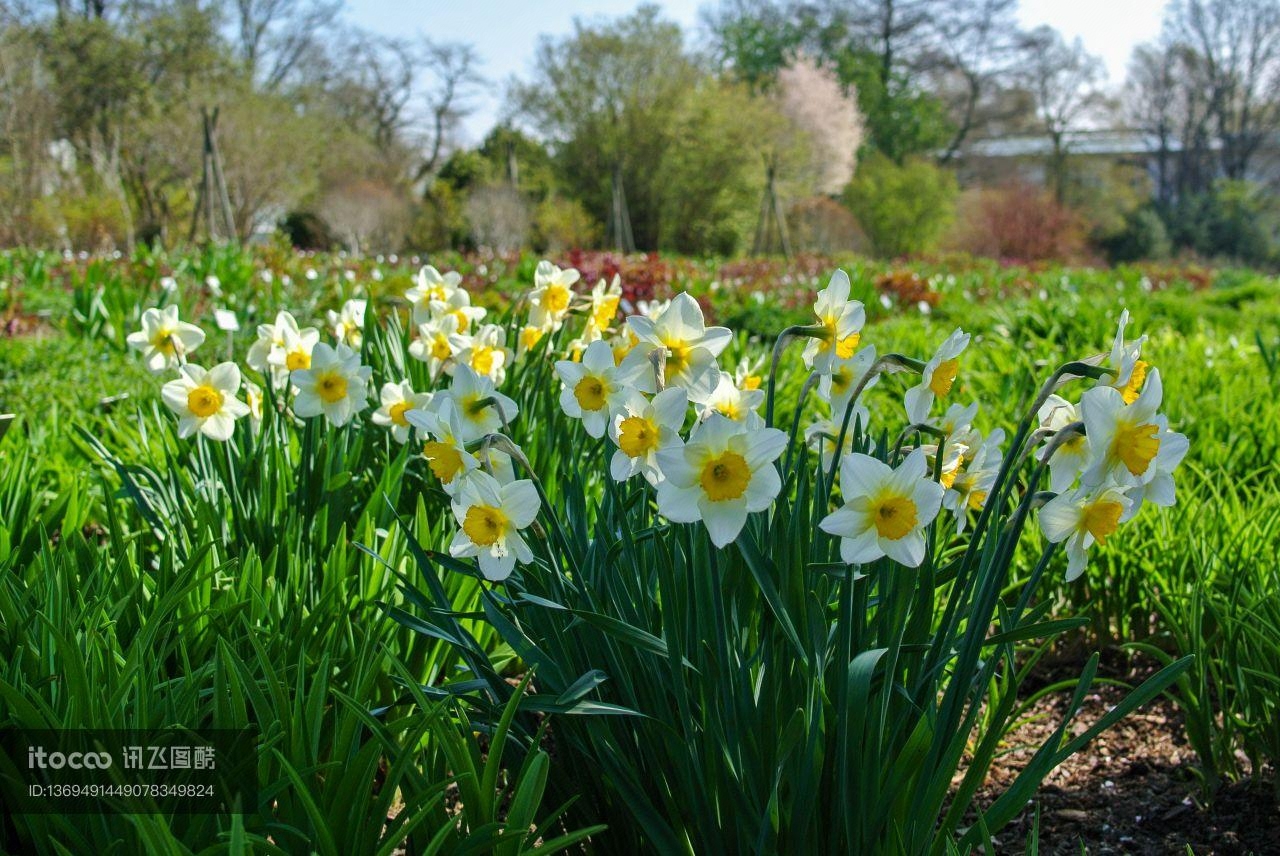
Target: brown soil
(1130,791)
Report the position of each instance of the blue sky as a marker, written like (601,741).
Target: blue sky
(505,32)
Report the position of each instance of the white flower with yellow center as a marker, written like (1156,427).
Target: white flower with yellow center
(445,442)
(165,340)
(885,510)
(1129,370)
(430,285)
(205,401)
(490,516)
(295,354)
(690,346)
(623,344)
(438,342)
(605,298)
(459,306)
(486,352)
(749,375)
(1159,489)
(348,323)
(1072,454)
(267,351)
(253,398)
(595,387)
(641,428)
(938,377)
(335,385)
(837,386)
(972,484)
(397,400)
(723,473)
(823,434)
(1083,517)
(841,320)
(481,408)
(528,339)
(1124,439)
(733,403)
(552,295)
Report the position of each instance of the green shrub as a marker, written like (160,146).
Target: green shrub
(902,208)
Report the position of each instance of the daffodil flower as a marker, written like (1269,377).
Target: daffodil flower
(528,338)
(1083,517)
(690,346)
(438,342)
(335,385)
(270,342)
(348,323)
(552,295)
(253,398)
(837,386)
(605,298)
(972,483)
(1124,439)
(490,516)
(296,352)
(641,428)
(1130,370)
(938,377)
(594,388)
(748,373)
(458,304)
(723,473)
(165,340)
(445,442)
(885,510)
(485,353)
(481,408)
(841,320)
(205,401)
(733,403)
(397,400)
(823,434)
(1159,489)
(430,285)
(1072,455)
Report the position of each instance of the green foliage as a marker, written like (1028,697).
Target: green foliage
(1144,236)
(902,208)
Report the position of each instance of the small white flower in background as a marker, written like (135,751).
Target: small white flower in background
(823,434)
(641,428)
(165,340)
(957,424)
(267,276)
(691,346)
(458,304)
(435,342)
(486,352)
(748,375)
(1129,371)
(481,408)
(348,323)
(296,350)
(652,308)
(214,285)
(226,320)
(528,339)
(169,284)
(723,473)
(595,387)
(349,275)
(885,510)
(335,385)
(1083,517)
(1124,439)
(836,387)
(270,341)
(733,403)
(430,285)
(923,307)
(445,443)
(972,485)
(490,516)
(938,377)
(842,320)
(397,400)
(604,305)
(205,401)
(1072,455)
(253,398)
(552,295)
(886,301)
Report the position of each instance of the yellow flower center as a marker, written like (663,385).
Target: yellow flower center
(331,387)
(751,382)
(841,378)
(729,410)
(444,459)
(297,360)
(725,477)
(1135,445)
(977,499)
(530,336)
(556,299)
(894,516)
(464,323)
(164,341)
(677,357)
(846,346)
(1101,518)
(440,349)
(591,393)
(397,412)
(482,359)
(1130,391)
(204,401)
(943,377)
(484,525)
(604,313)
(948,477)
(637,436)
